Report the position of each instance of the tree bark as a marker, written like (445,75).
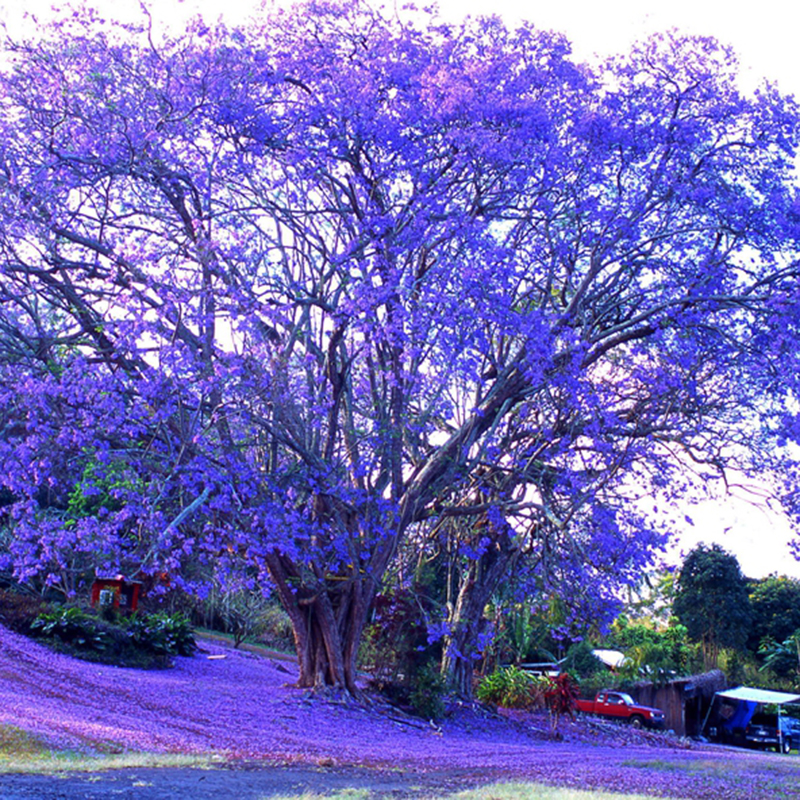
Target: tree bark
(478,583)
(327,623)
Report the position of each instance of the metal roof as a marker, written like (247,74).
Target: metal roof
(760,695)
(611,658)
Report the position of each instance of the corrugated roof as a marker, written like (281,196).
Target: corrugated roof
(611,658)
(760,695)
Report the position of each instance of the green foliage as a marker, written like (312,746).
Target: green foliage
(591,685)
(427,696)
(782,658)
(511,687)
(581,661)
(124,641)
(775,605)
(162,634)
(652,653)
(276,629)
(73,627)
(651,601)
(18,611)
(237,606)
(523,632)
(734,664)
(100,487)
(712,601)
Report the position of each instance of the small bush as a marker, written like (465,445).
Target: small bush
(581,660)
(561,697)
(18,611)
(427,695)
(162,634)
(590,686)
(138,641)
(276,630)
(74,627)
(511,687)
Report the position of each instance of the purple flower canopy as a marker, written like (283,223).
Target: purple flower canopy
(278,303)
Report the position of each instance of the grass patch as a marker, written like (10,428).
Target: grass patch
(249,644)
(713,768)
(536,791)
(347,794)
(495,791)
(690,765)
(23,752)
(19,743)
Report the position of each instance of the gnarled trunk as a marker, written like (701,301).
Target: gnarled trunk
(327,618)
(479,581)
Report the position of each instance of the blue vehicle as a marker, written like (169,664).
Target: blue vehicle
(770,730)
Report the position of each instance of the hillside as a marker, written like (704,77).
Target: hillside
(244,706)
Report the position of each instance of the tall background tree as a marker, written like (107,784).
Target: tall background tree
(284,295)
(775,602)
(711,600)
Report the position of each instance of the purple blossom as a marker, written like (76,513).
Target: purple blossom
(273,306)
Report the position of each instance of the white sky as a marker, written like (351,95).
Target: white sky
(765,36)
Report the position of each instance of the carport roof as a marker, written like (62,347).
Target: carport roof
(760,695)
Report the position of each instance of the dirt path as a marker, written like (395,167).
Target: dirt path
(248,781)
(240,782)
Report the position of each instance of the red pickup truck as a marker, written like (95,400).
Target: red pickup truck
(619,705)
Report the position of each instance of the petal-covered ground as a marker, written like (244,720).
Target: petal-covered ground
(243,705)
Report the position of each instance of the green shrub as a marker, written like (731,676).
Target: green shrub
(74,627)
(581,660)
(18,611)
(137,641)
(427,695)
(511,687)
(276,630)
(162,634)
(590,686)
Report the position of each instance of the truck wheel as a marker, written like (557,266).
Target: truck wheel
(637,721)
(787,745)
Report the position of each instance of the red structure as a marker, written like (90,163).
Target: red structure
(117,592)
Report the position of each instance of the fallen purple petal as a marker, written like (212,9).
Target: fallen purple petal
(243,705)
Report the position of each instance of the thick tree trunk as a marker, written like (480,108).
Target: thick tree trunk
(478,583)
(327,623)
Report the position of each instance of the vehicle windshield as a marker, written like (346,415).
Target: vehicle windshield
(771,721)
(621,697)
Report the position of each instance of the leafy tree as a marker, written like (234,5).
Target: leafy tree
(650,602)
(654,653)
(783,658)
(327,281)
(581,661)
(711,600)
(775,603)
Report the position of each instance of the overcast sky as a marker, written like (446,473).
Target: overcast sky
(764,34)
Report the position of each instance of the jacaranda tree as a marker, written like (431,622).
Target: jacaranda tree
(282,295)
